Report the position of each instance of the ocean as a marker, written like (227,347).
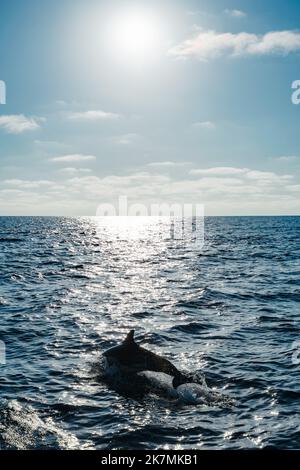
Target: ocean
(69,291)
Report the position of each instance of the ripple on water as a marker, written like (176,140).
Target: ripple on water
(21,428)
(68,292)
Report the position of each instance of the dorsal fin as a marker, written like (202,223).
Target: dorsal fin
(129,338)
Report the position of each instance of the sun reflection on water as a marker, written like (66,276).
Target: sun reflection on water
(134,227)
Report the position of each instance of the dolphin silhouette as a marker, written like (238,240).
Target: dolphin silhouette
(130,358)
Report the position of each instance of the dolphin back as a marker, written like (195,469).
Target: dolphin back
(134,358)
(155,363)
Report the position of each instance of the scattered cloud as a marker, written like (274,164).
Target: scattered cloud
(209,125)
(71,171)
(294,188)
(126,139)
(168,164)
(18,123)
(45,142)
(210,44)
(218,171)
(25,184)
(77,157)
(61,103)
(94,115)
(235,13)
(223,190)
(287,158)
(245,174)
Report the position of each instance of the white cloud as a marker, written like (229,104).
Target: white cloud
(61,103)
(70,171)
(223,190)
(259,177)
(287,158)
(94,115)
(209,125)
(18,123)
(294,188)
(236,13)
(267,177)
(210,44)
(77,157)
(25,184)
(126,139)
(219,171)
(167,164)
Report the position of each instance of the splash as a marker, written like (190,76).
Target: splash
(157,383)
(22,428)
(194,393)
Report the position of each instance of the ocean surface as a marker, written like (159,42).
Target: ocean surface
(69,289)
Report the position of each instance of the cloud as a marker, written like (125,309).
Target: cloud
(247,175)
(294,188)
(61,103)
(95,115)
(266,177)
(219,171)
(223,190)
(126,139)
(209,125)
(70,171)
(210,44)
(25,184)
(233,191)
(236,13)
(287,158)
(77,157)
(18,123)
(168,164)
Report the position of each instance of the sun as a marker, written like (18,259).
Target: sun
(135,35)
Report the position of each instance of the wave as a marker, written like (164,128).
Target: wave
(21,428)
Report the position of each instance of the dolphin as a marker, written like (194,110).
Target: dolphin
(130,358)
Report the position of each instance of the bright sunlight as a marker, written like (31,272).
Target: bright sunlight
(135,36)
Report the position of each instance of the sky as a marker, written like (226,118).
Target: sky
(178,101)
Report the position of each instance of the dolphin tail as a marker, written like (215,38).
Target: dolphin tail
(129,338)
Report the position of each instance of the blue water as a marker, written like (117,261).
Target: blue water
(230,310)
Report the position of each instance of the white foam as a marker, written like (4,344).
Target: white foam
(162,384)
(193,393)
(189,393)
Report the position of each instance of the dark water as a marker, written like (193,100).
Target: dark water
(69,292)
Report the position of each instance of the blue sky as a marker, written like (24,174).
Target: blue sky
(190,105)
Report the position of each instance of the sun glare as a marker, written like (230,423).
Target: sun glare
(135,36)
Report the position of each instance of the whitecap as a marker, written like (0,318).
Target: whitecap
(22,428)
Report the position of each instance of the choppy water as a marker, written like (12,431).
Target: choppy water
(69,292)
